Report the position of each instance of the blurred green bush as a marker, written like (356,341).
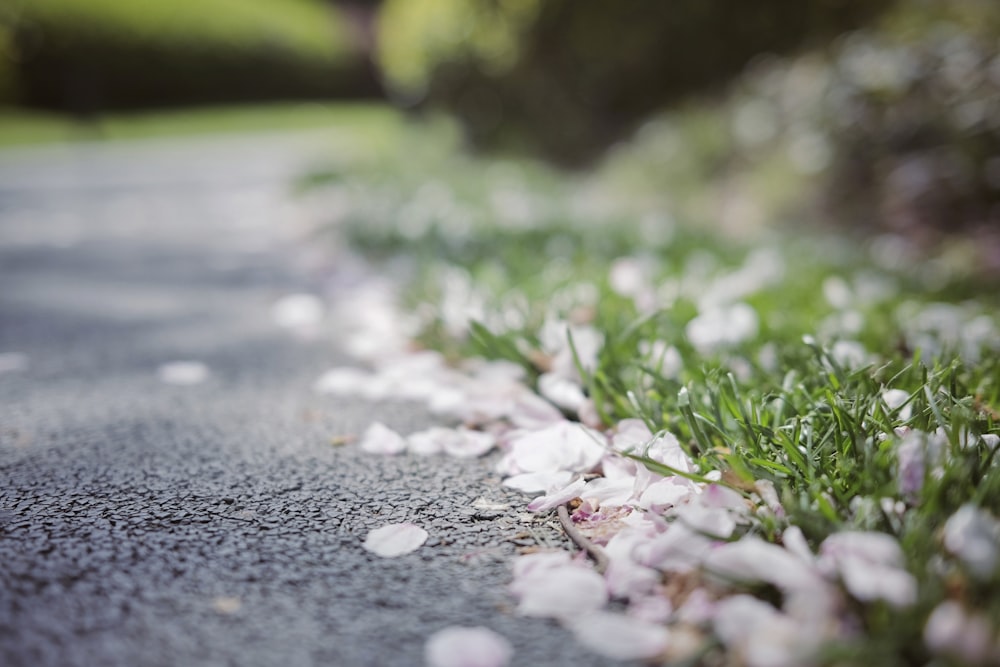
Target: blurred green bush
(912,112)
(566,78)
(893,128)
(99,54)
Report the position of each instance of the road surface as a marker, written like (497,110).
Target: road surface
(144,523)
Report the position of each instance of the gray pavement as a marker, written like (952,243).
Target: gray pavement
(148,524)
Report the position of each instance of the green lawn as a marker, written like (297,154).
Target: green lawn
(371,124)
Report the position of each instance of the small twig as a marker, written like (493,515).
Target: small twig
(582,541)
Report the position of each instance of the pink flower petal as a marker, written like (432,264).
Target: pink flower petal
(380,439)
(619,637)
(467,647)
(395,540)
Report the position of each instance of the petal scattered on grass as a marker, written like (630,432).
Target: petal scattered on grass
(183,373)
(871,566)
(974,536)
(952,631)
(467,647)
(380,439)
(395,539)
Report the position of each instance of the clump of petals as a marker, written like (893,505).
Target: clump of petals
(467,647)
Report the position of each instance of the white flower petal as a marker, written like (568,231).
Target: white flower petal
(561,446)
(665,493)
(604,492)
(427,443)
(619,637)
(380,439)
(763,636)
(561,593)
(974,536)
(951,630)
(753,559)
(530,411)
(564,495)
(567,394)
(722,326)
(870,565)
(539,482)
(297,311)
(468,444)
(467,647)
(342,381)
(395,540)
(184,373)
(867,582)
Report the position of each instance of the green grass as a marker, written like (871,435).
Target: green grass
(370,125)
(518,245)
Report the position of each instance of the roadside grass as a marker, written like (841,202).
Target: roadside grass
(860,384)
(372,125)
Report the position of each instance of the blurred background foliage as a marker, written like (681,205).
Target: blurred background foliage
(871,115)
(96,55)
(570,76)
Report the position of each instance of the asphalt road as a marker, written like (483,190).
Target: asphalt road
(143,523)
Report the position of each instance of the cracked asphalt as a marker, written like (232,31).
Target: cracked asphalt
(146,524)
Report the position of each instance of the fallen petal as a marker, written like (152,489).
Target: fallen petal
(297,311)
(539,482)
(395,540)
(184,373)
(973,535)
(380,439)
(469,444)
(619,637)
(564,495)
(342,381)
(467,647)
(561,593)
